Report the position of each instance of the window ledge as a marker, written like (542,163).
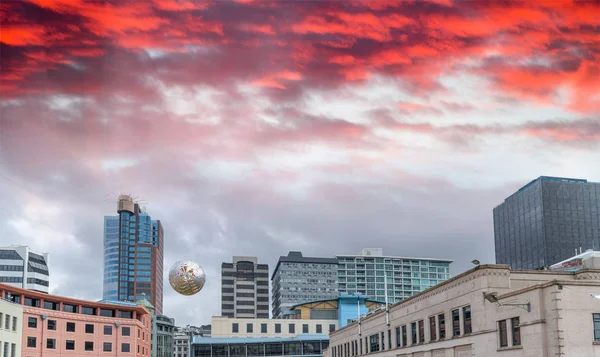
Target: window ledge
(511,348)
(597,343)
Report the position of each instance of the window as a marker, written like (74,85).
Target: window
(51,324)
(467,319)
(107,329)
(89,345)
(596,321)
(51,343)
(107,347)
(124,347)
(31,342)
(249,328)
(70,345)
(404,336)
(516,331)
(319,328)
(390,339)
(13,349)
(421,331)
(14,324)
(126,331)
(432,328)
(89,328)
(32,322)
(331,327)
(6,322)
(398,340)
(277,328)
(374,342)
(442,324)
(502,333)
(413,333)
(360,346)
(304,328)
(235,328)
(382,341)
(455,323)
(263,328)
(292,328)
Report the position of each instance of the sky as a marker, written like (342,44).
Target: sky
(259,127)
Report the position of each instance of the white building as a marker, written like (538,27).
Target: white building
(11,328)
(23,268)
(181,345)
(487,311)
(227,327)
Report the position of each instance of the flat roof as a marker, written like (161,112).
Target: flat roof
(55,298)
(199,340)
(297,257)
(393,257)
(345,297)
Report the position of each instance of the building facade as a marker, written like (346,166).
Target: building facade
(165,329)
(133,255)
(56,326)
(181,344)
(301,345)
(371,273)
(245,288)
(485,312)
(23,268)
(11,328)
(226,327)
(548,220)
(298,279)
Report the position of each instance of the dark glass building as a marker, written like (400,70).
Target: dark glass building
(133,255)
(546,221)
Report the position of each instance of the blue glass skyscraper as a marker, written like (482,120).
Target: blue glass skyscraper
(133,255)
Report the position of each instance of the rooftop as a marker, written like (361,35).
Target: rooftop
(297,257)
(368,253)
(342,296)
(548,178)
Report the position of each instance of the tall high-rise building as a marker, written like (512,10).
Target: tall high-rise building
(133,255)
(297,279)
(546,221)
(245,288)
(22,268)
(367,272)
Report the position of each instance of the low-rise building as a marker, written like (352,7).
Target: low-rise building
(11,328)
(181,344)
(57,326)
(165,327)
(225,327)
(24,268)
(487,311)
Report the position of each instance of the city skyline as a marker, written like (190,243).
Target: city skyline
(257,128)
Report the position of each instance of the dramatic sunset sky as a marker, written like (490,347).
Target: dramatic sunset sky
(255,128)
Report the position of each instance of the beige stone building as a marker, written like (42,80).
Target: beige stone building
(487,311)
(225,327)
(11,328)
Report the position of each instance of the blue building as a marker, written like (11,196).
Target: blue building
(133,255)
(345,308)
(300,345)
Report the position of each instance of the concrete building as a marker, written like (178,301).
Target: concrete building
(298,279)
(487,311)
(11,328)
(366,273)
(55,326)
(165,330)
(190,330)
(181,344)
(133,255)
(23,268)
(548,220)
(301,345)
(344,309)
(245,288)
(225,327)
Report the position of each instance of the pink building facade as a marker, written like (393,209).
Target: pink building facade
(55,326)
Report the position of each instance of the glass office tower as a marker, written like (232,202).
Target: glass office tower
(546,221)
(133,255)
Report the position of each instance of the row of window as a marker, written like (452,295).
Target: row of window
(32,322)
(88,345)
(258,291)
(235,328)
(6,322)
(415,331)
(13,349)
